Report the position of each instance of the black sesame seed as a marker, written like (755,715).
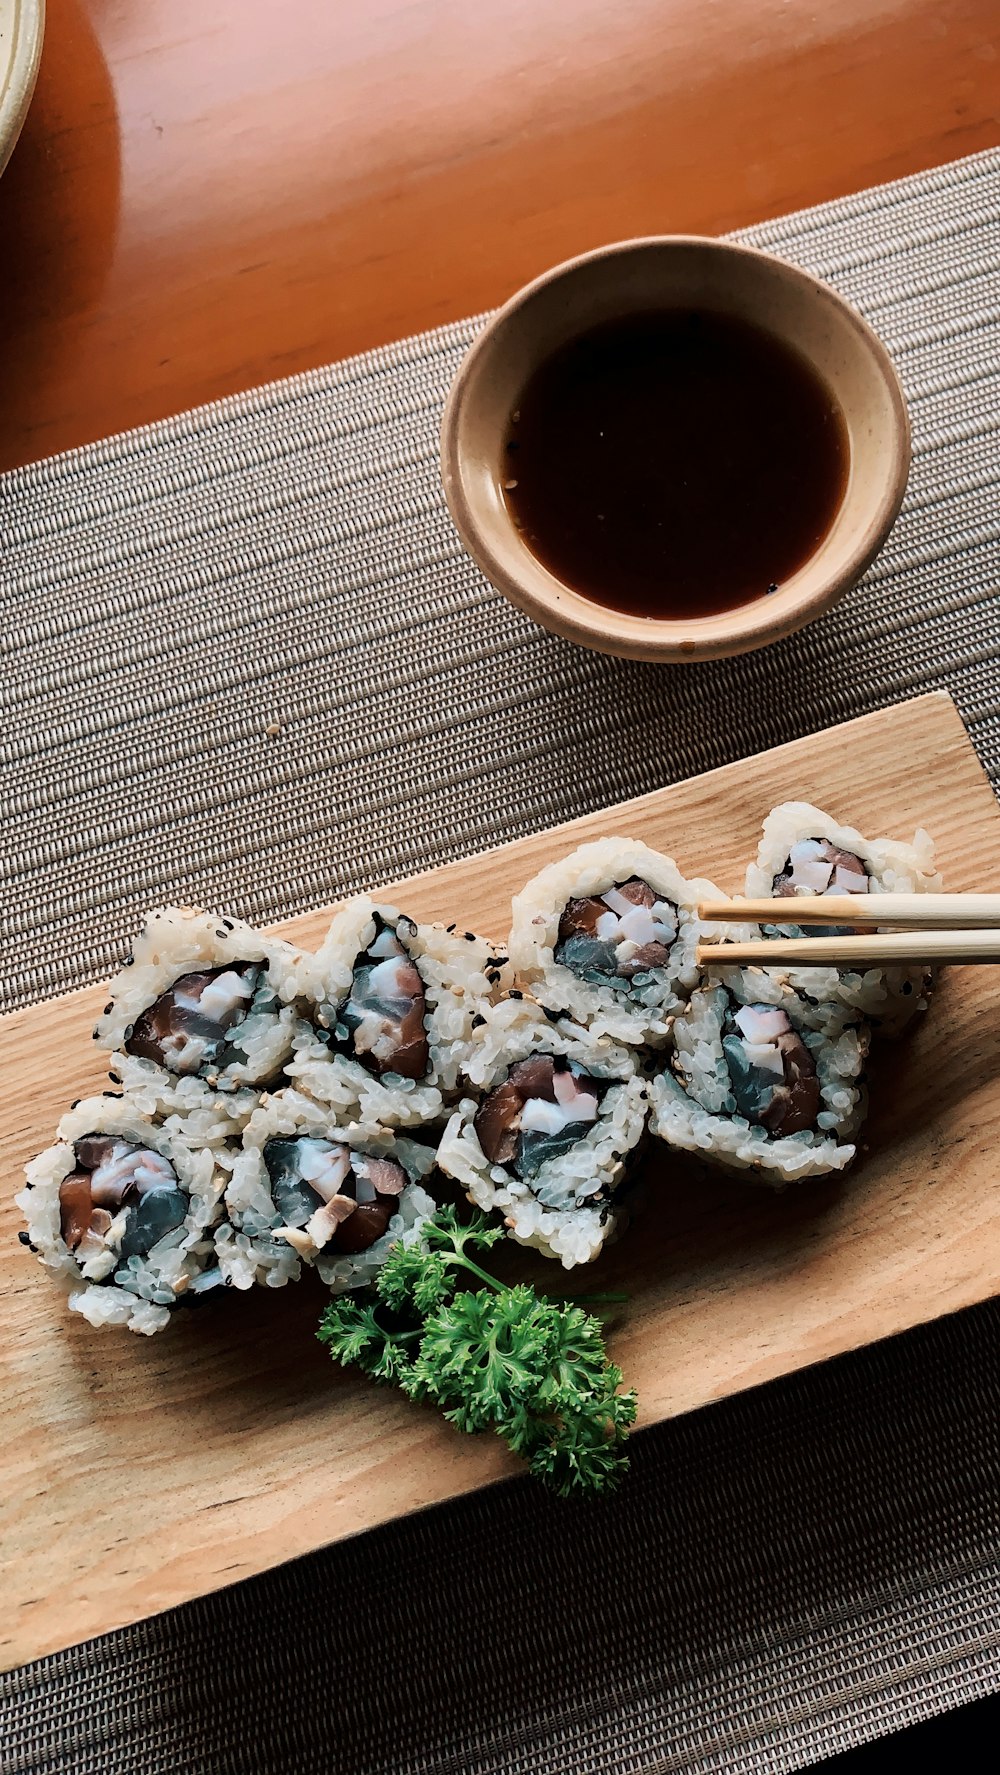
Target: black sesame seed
(25,1239)
(451,927)
(75,1101)
(228,924)
(109,1008)
(117,1095)
(515,992)
(470,937)
(478,1021)
(113,1076)
(553,1016)
(221,934)
(773,586)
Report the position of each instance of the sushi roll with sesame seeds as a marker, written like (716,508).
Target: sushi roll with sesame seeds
(303,1188)
(551,1122)
(395,1008)
(608,935)
(203,1016)
(804,851)
(121,1211)
(761,1086)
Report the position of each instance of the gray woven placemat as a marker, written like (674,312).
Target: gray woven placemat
(248,664)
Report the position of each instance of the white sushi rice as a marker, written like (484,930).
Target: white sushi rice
(693,1108)
(185,1106)
(455,970)
(213,1128)
(638,1011)
(177,1265)
(174,942)
(555,1210)
(888,996)
(253,1244)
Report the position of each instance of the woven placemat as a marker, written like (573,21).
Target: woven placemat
(249,665)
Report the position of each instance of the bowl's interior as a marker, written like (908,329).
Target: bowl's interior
(661,274)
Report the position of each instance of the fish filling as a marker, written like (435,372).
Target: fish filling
(343,1200)
(542,1108)
(772,1073)
(614,938)
(382,1022)
(816,866)
(119,1198)
(189,1028)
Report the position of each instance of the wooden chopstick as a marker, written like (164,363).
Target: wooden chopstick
(907,912)
(879,949)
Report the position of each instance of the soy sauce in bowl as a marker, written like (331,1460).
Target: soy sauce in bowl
(675,463)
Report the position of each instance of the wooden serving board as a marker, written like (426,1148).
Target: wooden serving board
(135,1473)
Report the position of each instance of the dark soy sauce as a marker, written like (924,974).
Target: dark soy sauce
(674,464)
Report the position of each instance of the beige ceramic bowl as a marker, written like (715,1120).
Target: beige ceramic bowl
(664,272)
(22,25)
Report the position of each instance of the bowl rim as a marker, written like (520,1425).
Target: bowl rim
(564,611)
(26,54)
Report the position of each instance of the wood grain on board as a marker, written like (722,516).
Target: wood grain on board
(137,1473)
(207,195)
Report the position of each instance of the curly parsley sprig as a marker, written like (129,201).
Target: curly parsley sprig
(505,1359)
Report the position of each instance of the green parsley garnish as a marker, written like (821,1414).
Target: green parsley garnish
(505,1359)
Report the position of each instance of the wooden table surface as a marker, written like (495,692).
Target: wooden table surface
(209,195)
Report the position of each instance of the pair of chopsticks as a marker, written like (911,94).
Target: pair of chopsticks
(931,928)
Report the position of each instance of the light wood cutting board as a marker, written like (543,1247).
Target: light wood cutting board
(135,1473)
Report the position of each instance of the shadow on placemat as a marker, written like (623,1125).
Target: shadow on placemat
(959,1736)
(742,1592)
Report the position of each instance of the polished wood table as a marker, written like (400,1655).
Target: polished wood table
(209,195)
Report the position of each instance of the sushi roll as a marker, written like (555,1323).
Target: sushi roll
(122,1212)
(203,1015)
(608,936)
(396,1003)
(303,1188)
(757,1086)
(553,1117)
(804,851)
